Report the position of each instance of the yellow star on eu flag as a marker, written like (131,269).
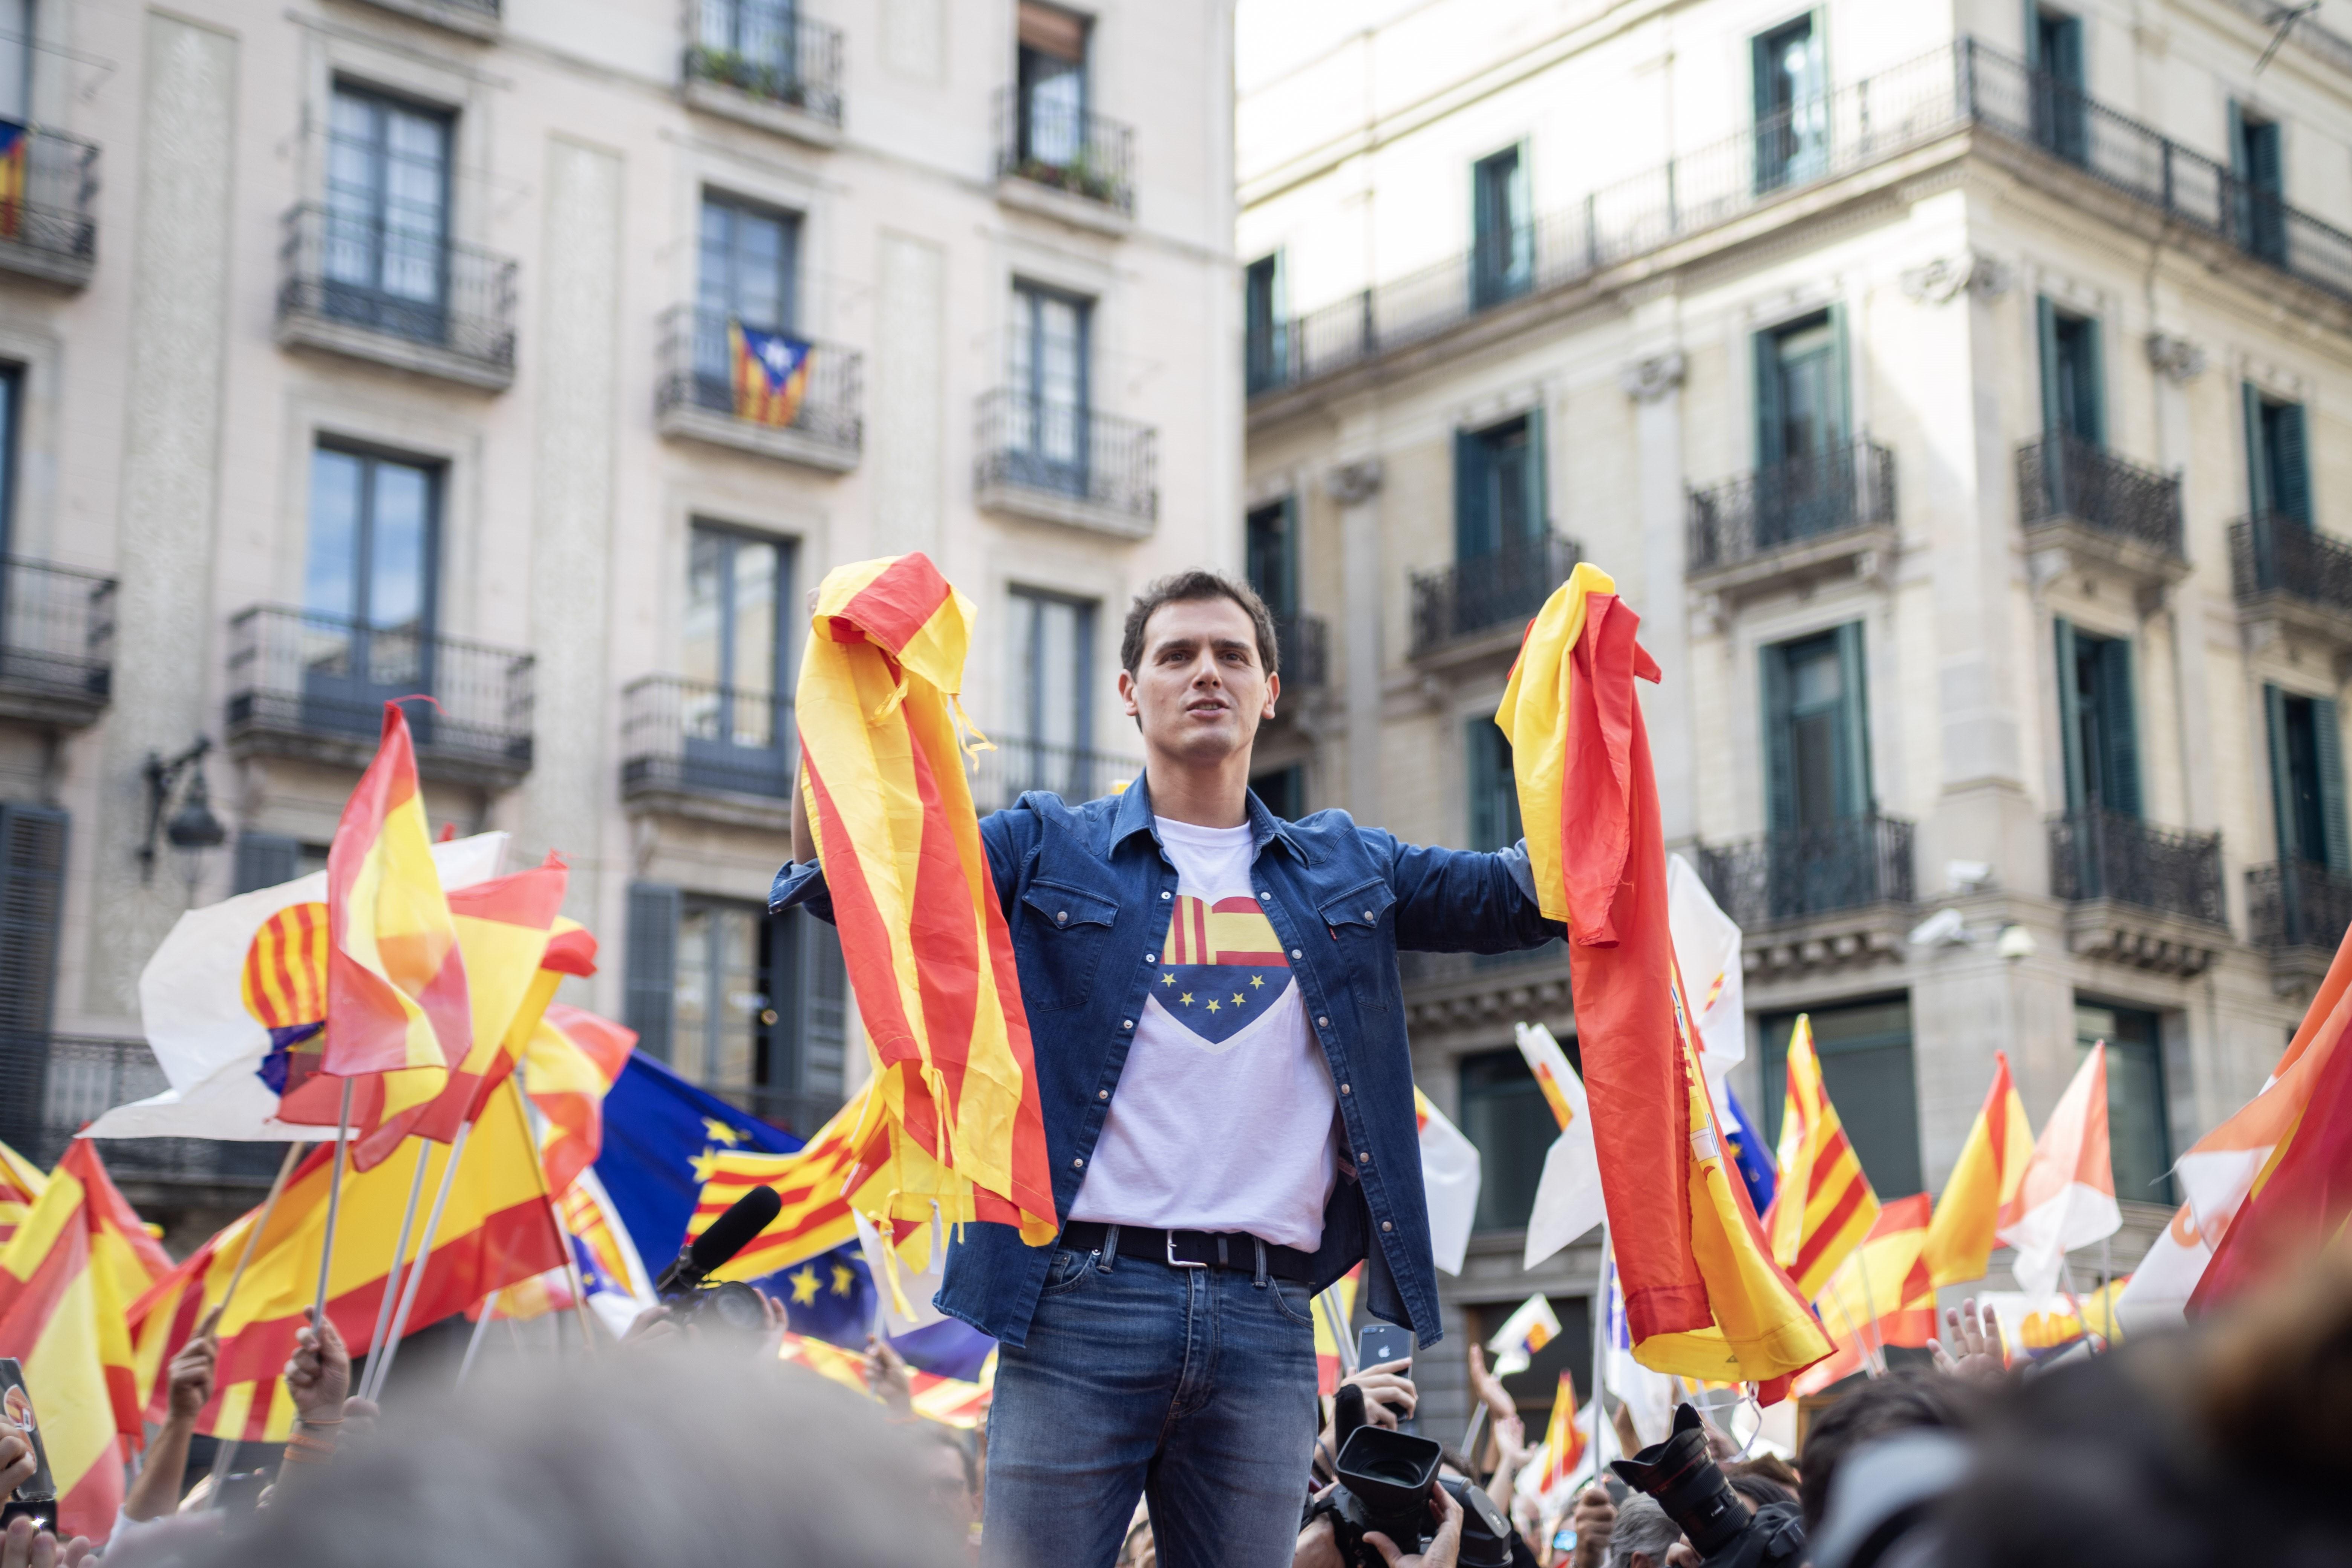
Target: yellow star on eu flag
(1213,1006)
(843,1280)
(1186,998)
(720,1132)
(804,1286)
(1237,999)
(704,1165)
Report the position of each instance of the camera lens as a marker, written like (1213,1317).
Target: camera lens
(738,1306)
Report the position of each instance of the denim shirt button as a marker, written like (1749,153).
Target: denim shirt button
(1102,1094)
(1265,898)
(1296,953)
(1081,1164)
(1345,1089)
(1322,1022)
(1386,1225)
(1126,1022)
(1164,894)
(1062,919)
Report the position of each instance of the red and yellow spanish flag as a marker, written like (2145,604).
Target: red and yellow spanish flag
(926,944)
(1825,1206)
(396,999)
(1564,1440)
(67,1280)
(1704,1297)
(1990,1169)
(20,1188)
(568,1065)
(1336,1305)
(1881,1295)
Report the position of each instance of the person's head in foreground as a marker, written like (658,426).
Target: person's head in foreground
(668,1458)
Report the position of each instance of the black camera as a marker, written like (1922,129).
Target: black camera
(696,1302)
(726,1305)
(1384,1481)
(1690,1486)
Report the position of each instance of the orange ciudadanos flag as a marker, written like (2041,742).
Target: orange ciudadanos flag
(1704,1297)
(926,944)
(1824,1204)
(1985,1178)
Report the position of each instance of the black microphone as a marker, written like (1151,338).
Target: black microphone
(729,1234)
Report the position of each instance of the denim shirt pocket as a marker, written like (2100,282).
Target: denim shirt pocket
(1071,927)
(1358,921)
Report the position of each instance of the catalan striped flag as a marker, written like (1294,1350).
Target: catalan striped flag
(21,1182)
(836,1363)
(953,1401)
(1985,1179)
(928,952)
(397,995)
(770,372)
(1564,1440)
(815,1183)
(1825,1206)
(1704,1296)
(568,1067)
(67,1278)
(1880,1296)
(15,142)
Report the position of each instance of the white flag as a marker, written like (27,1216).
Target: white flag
(1706,950)
(1527,1331)
(1567,1198)
(1648,1396)
(1449,1181)
(2068,1200)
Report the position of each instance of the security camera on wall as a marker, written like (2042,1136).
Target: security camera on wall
(1945,928)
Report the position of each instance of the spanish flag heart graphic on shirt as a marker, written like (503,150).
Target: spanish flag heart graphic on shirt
(1220,967)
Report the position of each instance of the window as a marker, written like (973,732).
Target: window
(2097,720)
(1265,353)
(753,37)
(387,223)
(738,729)
(1048,430)
(17,61)
(11,391)
(2054,42)
(2259,178)
(1053,685)
(1271,549)
(2308,780)
(269,859)
(1505,1115)
(756,1009)
(368,580)
(1817,741)
(2072,395)
(1866,1067)
(750,256)
(1498,489)
(1283,792)
(1791,106)
(1051,86)
(2139,1143)
(1502,242)
(1800,410)
(2278,471)
(1494,788)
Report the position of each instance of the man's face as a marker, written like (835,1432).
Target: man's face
(1199,690)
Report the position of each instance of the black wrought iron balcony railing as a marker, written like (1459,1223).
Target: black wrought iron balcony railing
(1849,486)
(1075,773)
(1302,642)
(1059,144)
(695,737)
(2271,552)
(1481,594)
(698,371)
(49,227)
(2297,903)
(2101,854)
(783,57)
(57,637)
(1067,450)
(1791,873)
(2063,476)
(304,677)
(51,1086)
(351,271)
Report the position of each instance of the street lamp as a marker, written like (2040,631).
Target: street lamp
(193,830)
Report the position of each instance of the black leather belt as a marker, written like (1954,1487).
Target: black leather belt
(1191,1248)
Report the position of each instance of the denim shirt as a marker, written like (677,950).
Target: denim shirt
(1088,892)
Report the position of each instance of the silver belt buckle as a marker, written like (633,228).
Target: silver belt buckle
(1174,1261)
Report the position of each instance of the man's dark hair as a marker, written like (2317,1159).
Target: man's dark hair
(950,1437)
(1899,1401)
(1189,587)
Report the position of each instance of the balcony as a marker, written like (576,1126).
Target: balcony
(1831,895)
(51,1086)
(2093,507)
(1074,772)
(1820,515)
(2299,910)
(474,19)
(2145,895)
(695,398)
(414,302)
(1060,160)
(1302,642)
(782,74)
(692,748)
(2289,578)
(1482,604)
(57,644)
(313,687)
(1060,463)
(50,232)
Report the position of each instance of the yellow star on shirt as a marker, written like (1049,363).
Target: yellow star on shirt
(1213,1006)
(1256,980)
(1186,998)
(1166,979)
(720,1132)
(843,1280)
(804,1284)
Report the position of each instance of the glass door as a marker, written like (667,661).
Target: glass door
(738,727)
(1049,417)
(367,591)
(748,273)
(387,225)
(1791,107)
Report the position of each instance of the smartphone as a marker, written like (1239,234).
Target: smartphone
(41,1510)
(1380,1343)
(40,1492)
(241,1492)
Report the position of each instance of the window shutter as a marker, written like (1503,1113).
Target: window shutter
(825,989)
(651,996)
(266,859)
(1518,214)
(2053,404)
(1855,797)
(1779,741)
(2281,775)
(1539,510)
(1841,420)
(1772,422)
(2070,719)
(2331,783)
(2291,465)
(2092,389)
(32,899)
(2118,727)
(2258,462)
(1474,533)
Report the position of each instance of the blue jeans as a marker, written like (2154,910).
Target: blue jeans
(1193,1387)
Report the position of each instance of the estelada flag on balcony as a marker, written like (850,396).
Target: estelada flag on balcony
(15,142)
(396,1000)
(926,944)
(1703,1296)
(67,1279)
(1823,1205)
(770,372)
(1990,1169)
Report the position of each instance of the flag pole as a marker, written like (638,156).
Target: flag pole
(481,1326)
(268,1207)
(1876,1348)
(334,1199)
(392,1278)
(563,1232)
(417,1269)
(1846,1318)
(1600,1333)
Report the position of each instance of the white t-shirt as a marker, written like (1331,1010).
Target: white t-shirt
(1223,1116)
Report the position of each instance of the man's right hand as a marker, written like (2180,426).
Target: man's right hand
(1389,1393)
(1444,1548)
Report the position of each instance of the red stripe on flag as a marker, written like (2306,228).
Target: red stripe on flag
(898,603)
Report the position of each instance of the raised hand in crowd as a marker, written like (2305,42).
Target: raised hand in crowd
(1592,1521)
(1511,1454)
(1489,1388)
(888,1379)
(1978,1334)
(155,1492)
(27,1546)
(319,1377)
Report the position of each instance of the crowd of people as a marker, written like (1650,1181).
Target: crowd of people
(2226,1443)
